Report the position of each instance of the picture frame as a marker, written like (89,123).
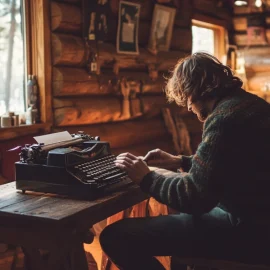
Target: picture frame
(128,25)
(161,28)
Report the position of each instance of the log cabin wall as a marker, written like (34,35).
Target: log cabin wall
(93,103)
(255,51)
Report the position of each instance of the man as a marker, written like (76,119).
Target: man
(223,197)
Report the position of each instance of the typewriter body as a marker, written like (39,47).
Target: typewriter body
(82,166)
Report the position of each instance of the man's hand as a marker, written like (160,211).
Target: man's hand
(135,167)
(162,159)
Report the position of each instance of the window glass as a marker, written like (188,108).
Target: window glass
(12,66)
(203,39)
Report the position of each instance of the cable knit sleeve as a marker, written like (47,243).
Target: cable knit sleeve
(199,190)
(186,163)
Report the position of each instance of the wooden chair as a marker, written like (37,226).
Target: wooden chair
(207,264)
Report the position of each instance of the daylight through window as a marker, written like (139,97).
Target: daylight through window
(12,64)
(209,38)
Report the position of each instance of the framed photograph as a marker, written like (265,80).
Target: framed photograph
(128,25)
(161,29)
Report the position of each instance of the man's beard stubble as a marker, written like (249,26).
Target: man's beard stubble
(203,114)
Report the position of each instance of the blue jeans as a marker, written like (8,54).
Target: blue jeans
(132,243)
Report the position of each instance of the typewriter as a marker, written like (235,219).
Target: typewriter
(80,165)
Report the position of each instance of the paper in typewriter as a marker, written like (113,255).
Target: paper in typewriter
(54,137)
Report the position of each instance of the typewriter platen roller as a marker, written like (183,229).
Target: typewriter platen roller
(83,168)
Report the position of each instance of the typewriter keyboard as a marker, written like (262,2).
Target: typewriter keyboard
(100,171)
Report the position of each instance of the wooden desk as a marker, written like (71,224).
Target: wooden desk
(44,221)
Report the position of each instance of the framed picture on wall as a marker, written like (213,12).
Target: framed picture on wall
(161,29)
(128,25)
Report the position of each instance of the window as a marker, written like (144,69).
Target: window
(12,57)
(208,37)
(29,54)
(36,42)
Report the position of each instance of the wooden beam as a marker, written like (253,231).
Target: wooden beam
(66,18)
(69,81)
(78,111)
(162,61)
(70,1)
(256,60)
(68,50)
(181,39)
(126,133)
(75,81)
(241,39)
(211,8)
(259,81)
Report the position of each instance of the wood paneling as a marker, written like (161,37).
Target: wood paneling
(126,133)
(242,39)
(163,60)
(181,39)
(256,60)
(66,18)
(211,8)
(76,82)
(81,111)
(68,50)
(259,81)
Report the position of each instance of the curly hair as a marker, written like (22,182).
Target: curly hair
(200,76)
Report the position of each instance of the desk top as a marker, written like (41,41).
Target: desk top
(39,208)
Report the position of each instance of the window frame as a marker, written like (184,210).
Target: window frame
(220,36)
(38,62)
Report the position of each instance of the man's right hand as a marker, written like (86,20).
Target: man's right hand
(162,159)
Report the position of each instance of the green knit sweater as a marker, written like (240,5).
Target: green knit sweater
(231,167)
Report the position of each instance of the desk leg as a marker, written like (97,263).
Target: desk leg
(59,259)
(33,259)
(78,258)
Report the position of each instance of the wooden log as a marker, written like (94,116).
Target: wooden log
(256,60)
(75,81)
(212,20)
(147,84)
(152,106)
(241,39)
(183,14)
(240,23)
(68,50)
(80,111)
(163,60)
(244,10)
(86,111)
(123,134)
(211,7)
(65,18)
(259,81)
(241,9)
(181,39)
(70,1)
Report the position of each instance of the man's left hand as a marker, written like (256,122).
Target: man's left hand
(135,167)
